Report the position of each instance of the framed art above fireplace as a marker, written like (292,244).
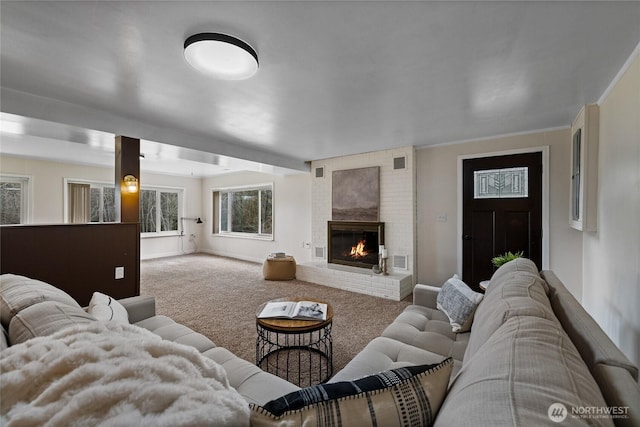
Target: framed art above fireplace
(355,194)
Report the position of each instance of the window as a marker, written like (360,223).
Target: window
(245,211)
(13,199)
(103,204)
(90,202)
(501,183)
(575,175)
(584,169)
(160,210)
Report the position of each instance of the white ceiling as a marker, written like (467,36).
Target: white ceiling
(335,77)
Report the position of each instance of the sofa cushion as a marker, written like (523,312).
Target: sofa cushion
(43,319)
(459,303)
(399,397)
(526,366)
(168,329)
(254,384)
(428,329)
(382,354)
(516,290)
(105,308)
(19,292)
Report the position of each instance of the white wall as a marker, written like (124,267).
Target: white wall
(291,216)
(47,196)
(611,257)
(437,190)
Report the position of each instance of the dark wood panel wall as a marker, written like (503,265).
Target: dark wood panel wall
(77,258)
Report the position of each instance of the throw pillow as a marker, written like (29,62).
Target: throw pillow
(459,303)
(105,308)
(45,318)
(19,292)
(404,396)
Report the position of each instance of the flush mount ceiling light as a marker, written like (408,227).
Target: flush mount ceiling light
(221,55)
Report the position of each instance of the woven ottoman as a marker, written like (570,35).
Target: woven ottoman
(283,268)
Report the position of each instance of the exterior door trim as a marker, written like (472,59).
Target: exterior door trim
(545,198)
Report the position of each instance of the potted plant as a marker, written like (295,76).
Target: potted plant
(506,257)
(498,261)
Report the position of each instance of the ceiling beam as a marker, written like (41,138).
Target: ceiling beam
(43,108)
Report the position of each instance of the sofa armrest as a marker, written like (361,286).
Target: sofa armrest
(594,345)
(425,295)
(620,390)
(139,307)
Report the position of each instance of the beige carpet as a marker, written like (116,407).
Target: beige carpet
(218,297)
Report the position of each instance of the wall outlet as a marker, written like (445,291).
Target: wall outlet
(119,273)
(441,217)
(192,237)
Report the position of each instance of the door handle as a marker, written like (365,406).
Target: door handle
(467,237)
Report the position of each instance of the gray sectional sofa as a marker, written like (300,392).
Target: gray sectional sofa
(532,351)
(531,345)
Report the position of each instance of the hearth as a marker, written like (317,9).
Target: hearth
(354,243)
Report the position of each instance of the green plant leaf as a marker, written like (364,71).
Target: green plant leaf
(506,257)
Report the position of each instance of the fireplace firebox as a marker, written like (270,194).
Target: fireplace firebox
(354,243)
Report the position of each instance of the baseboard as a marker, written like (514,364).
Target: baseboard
(163,255)
(233,255)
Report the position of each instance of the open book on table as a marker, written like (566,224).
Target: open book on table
(302,310)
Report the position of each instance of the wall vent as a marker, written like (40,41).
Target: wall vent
(319,252)
(399,262)
(399,163)
(319,172)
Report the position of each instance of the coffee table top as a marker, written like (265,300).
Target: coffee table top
(294,325)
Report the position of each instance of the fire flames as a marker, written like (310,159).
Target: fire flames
(358,250)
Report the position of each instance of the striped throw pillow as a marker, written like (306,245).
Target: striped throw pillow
(408,396)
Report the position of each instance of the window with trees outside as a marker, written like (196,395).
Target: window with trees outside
(13,199)
(95,202)
(245,211)
(90,202)
(160,210)
(103,203)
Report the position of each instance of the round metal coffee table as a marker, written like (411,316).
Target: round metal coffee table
(300,351)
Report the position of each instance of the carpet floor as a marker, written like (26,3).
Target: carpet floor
(218,297)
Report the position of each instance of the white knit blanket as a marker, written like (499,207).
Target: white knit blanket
(111,374)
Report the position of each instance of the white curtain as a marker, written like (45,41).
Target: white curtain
(79,203)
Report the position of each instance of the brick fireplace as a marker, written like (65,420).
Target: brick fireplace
(397,210)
